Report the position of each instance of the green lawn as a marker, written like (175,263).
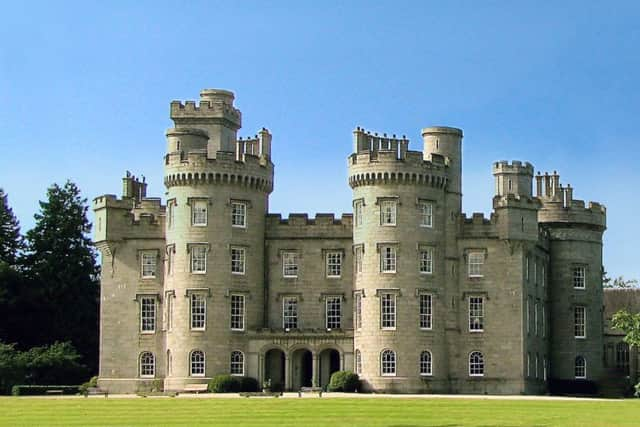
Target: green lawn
(315,412)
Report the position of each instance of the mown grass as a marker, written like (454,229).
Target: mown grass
(396,412)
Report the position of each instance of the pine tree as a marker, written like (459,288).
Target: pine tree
(60,262)
(11,242)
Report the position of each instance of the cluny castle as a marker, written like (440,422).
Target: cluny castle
(408,291)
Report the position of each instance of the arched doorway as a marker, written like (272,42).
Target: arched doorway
(329,361)
(274,369)
(301,369)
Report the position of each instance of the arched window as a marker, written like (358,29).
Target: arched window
(196,367)
(425,363)
(147,365)
(388,363)
(358,362)
(237,363)
(581,367)
(476,364)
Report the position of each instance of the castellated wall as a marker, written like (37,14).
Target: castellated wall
(404,290)
(125,228)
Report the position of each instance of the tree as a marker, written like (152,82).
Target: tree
(11,242)
(629,323)
(60,262)
(618,282)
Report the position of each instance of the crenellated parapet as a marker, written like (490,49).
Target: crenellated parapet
(478,226)
(214,104)
(515,167)
(559,206)
(299,225)
(118,219)
(387,160)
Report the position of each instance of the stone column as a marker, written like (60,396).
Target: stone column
(314,370)
(287,372)
(261,370)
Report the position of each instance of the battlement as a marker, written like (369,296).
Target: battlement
(516,201)
(213,104)
(366,141)
(299,225)
(478,226)
(111,201)
(515,167)
(126,218)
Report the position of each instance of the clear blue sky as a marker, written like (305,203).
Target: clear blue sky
(85,90)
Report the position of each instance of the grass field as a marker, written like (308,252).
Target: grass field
(316,412)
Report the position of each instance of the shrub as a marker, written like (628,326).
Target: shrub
(573,387)
(249,385)
(346,381)
(224,384)
(92,383)
(35,390)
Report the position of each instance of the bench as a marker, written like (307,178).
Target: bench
(95,391)
(56,391)
(195,388)
(310,390)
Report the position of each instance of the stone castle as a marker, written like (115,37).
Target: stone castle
(407,291)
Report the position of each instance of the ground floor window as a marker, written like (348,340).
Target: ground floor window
(425,363)
(147,365)
(237,363)
(388,362)
(476,364)
(196,368)
(580,367)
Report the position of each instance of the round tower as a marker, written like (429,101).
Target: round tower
(399,201)
(575,280)
(216,209)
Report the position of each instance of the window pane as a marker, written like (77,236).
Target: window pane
(148,314)
(425,363)
(426,214)
(238,214)
(425,311)
(199,213)
(388,259)
(290,264)
(388,212)
(237,260)
(290,313)
(334,312)
(237,312)
(198,311)
(426,261)
(476,314)
(388,311)
(198,259)
(388,362)
(334,264)
(237,363)
(149,264)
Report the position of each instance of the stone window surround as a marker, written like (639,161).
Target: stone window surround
(420,203)
(192,202)
(140,256)
(381,201)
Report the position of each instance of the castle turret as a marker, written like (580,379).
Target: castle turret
(514,205)
(217,198)
(400,212)
(575,278)
(214,114)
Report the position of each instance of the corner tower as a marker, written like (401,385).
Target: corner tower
(399,242)
(575,277)
(217,199)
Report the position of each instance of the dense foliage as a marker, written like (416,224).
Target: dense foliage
(58,363)
(346,381)
(231,384)
(48,292)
